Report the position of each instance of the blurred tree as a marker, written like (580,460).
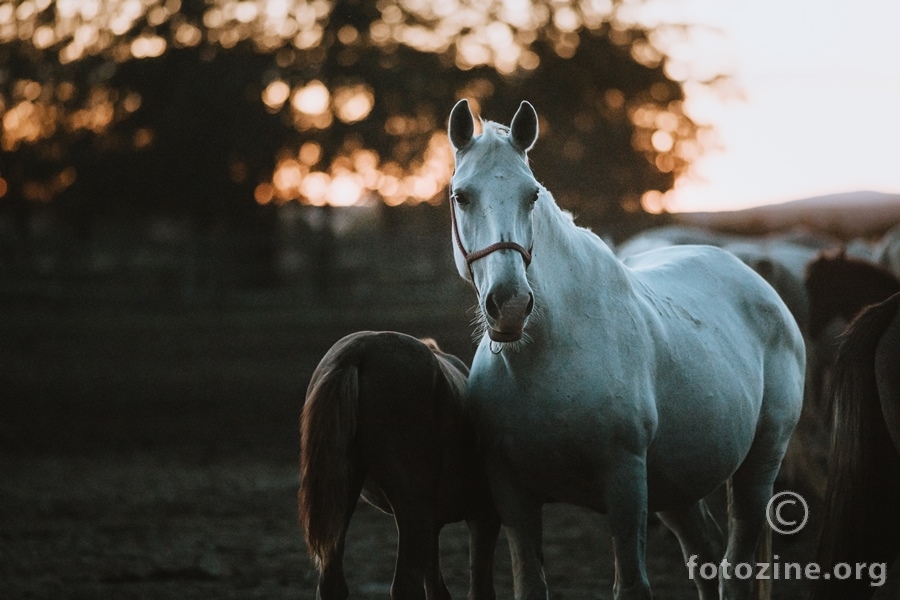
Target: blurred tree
(222,109)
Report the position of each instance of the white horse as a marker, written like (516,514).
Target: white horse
(887,251)
(625,388)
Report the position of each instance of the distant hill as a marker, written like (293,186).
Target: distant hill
(847,215)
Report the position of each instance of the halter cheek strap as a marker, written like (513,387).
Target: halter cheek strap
(471,257)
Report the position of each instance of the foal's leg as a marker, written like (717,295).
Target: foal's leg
(435,588)
(700,537)
(415,529)
(410,485)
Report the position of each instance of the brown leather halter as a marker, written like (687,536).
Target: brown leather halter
(471,257)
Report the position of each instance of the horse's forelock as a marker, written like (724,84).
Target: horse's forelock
(494,137)
(494,129)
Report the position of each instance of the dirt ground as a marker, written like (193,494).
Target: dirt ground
(150,452)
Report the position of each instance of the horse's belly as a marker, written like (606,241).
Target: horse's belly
(562,451)
(676,477)
(695,450)
(566,471)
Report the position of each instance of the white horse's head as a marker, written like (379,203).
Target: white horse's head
(492,196)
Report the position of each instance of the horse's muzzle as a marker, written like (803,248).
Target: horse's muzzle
(507,313)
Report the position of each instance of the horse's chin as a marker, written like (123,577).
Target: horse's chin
(505,337)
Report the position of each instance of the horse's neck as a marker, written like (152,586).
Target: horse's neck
(572,268)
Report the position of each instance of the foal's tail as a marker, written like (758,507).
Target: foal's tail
(861,517)
(327,427)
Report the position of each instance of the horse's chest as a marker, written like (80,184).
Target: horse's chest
(582,399)
(555,436)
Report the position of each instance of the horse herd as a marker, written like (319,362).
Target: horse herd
(628,381)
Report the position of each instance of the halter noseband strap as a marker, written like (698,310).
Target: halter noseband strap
(471,257)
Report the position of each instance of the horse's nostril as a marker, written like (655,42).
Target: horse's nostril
(493,309)
(499,303)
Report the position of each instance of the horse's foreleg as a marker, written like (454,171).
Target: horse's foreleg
(701,542)
(524,532)
(482,541)
(521,515)
(626,497)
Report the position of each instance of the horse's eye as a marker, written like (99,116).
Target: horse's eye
(534,198)
(460,198)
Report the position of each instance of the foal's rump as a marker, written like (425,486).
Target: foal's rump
(378,411)
(411,437)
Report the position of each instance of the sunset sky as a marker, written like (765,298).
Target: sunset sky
(819,104)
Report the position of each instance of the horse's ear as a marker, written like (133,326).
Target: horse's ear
(524,127)
(462,125)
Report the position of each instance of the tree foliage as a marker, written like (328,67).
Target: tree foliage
(223,109)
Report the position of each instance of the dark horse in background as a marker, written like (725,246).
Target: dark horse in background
(839,287)
(862,509)
(385,416)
